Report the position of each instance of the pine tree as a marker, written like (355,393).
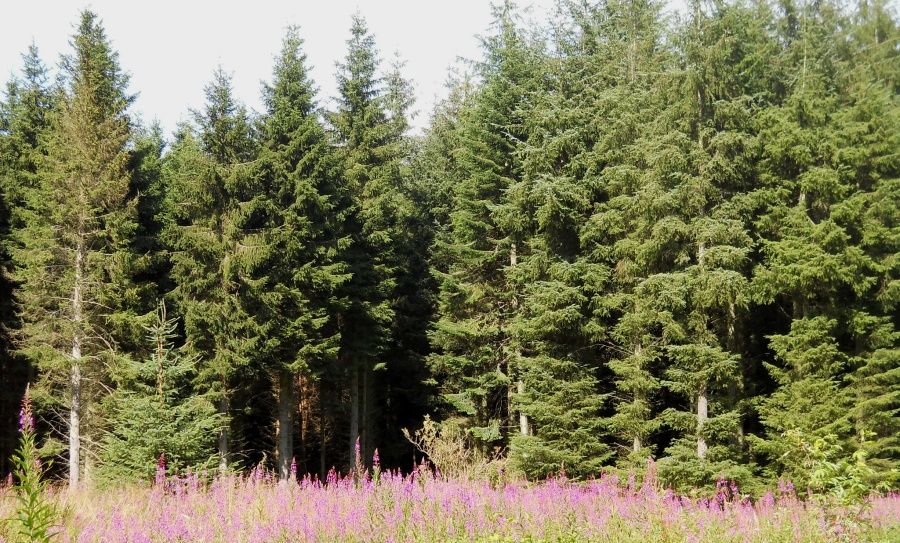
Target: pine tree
(208,178)
(813,265)
(367,133)
(73,256)
(148,189)
(559,362)
(723,82)
(295,272)
(157,413)
(477,355)
(625,239)
(866,141)
(23,119)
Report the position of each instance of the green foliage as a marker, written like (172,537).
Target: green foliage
(209,179)
(37,516)
(73,253)
(156,411)
(454,454)
(379,314)
(477,358)
(623,235)
(295,269)
(835,474)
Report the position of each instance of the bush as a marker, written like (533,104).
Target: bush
(450,450)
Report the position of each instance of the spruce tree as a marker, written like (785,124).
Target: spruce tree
(867,140)
(477,355)
(559,363)
(73,257)
(295,237)
(23,120)
(157,415)
(723,82)
(367,133)
(816,263)
(209,178)
(147,187)
(625,238)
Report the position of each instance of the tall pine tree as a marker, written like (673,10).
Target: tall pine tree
(477,354)
(295,223)
(365,126)
(23,119)
(73,257)
(209,179)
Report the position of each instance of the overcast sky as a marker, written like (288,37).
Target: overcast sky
(170,47)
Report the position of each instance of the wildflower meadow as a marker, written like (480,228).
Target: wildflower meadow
(421,507)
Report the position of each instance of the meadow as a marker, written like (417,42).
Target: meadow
(420,507)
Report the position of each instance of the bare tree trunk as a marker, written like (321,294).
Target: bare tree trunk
(732,343)
(702,400)
(702,415)
(524,426)
(75,373)
(366,415)
(323,438)
(510,396)
(224,449)
(285,424)
(638,399)
(354,412)
(303,390)
(75,419)
(520,382)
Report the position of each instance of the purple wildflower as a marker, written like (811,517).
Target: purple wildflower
(26,416)
(161,470)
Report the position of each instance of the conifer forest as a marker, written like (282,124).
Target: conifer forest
(628,243)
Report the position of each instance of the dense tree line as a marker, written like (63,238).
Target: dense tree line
(624,235)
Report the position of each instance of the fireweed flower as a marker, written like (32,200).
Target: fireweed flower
(161,470)
(422,507)
(26,415)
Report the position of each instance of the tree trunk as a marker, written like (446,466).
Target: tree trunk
(303,402)
(224,451)
(702,415)
(638,399)
(524,428)
(520,383)
(734,388)
(354,412)
(285,424)
(75,419)
(366,415)
(323,438)
(702,401)
(75,374)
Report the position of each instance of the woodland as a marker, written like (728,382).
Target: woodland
(624,234)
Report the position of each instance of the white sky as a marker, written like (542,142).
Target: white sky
(171,48)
